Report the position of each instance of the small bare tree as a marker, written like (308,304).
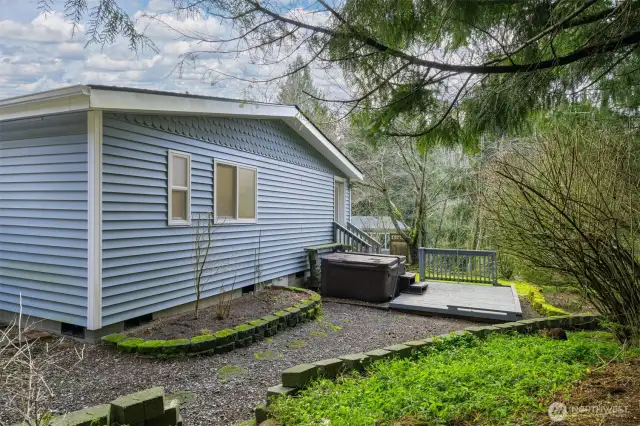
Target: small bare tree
(25,364)
(204,229)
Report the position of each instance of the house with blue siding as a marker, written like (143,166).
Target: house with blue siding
(100,188)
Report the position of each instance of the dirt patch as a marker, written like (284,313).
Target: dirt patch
(569,300)
(248,307)
(605,397)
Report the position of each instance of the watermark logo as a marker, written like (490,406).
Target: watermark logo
(557,411)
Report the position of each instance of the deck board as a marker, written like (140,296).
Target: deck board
(478,301)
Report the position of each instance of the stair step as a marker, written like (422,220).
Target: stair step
(416,288)
(408,275)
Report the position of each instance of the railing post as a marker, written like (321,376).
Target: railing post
(421,263)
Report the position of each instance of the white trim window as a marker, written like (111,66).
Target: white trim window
(179,188)
(236,192)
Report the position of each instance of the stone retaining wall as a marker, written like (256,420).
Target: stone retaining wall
(298,377)
(145,408)
(223,340)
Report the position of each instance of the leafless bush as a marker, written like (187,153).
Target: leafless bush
(204,229)
(26,361)
(567,200)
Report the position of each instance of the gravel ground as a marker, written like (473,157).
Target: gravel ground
(226,399)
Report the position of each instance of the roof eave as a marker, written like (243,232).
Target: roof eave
(82,98)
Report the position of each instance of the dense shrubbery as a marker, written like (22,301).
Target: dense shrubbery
(565,202)
(456,381)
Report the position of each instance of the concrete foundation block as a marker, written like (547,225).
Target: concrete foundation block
(203,343)
(330,368)
(261,413)
(221,349)
(299,376)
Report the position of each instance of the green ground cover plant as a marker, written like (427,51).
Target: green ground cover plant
(459,380)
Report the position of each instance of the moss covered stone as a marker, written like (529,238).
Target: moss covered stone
(113,339)
(203,343)
(229,371)
(176,347)
(226,336)
(129,345)
(244,331)
(151,347)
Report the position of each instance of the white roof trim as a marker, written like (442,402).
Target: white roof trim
(82,98)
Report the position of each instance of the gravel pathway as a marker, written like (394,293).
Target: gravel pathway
(226,399)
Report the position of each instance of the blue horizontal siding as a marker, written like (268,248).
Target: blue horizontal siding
(43,217)
(147,264)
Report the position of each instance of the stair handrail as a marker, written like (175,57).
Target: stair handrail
(337,228)
(372,241)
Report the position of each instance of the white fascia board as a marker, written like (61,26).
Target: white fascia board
(68,99)
(137,102)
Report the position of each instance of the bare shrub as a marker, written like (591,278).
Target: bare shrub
(567,200)
(26,362)
(204,229)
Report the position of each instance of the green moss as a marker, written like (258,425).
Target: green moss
(267,356)
(335,328)
(202,338)
(318,334)
(257,323)
(130,344)
(296,344)
(113,339)
(534,294)
(292,310)
(243,327)
(229,371)
(151,346)
(280,314)
(223,333)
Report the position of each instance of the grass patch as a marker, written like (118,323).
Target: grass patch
(318,334)
(335,328)
(535,296)
(460,380)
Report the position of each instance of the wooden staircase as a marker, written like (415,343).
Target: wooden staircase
(357,240)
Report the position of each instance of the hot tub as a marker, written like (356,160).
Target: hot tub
(359,276)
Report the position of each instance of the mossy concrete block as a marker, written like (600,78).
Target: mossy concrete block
(418,345)
(279,390)
(261,413)
(377,354)
(271,331)
(356,361)
(203,343)
(299,376)
(226,336)
(530,325)
(399,350)
(221,349)
(170,415)
(113,339)
(176,347)
(587,322)
(138,407)
(292,321)
(242,343)
(271,320)
(330,368)
(129,345)
(244,331)
(283,317)
(99,415)
(151,347)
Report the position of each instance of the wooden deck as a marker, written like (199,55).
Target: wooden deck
(494,303)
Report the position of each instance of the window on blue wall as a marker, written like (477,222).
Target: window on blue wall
(236,192)
(179,188)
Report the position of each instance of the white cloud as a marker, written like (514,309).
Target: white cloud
(38,52)
(45,28)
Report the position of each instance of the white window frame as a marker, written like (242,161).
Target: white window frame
(170,187)
(342,208)
(215,199)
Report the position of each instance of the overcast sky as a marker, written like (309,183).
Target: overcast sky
(38,52)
